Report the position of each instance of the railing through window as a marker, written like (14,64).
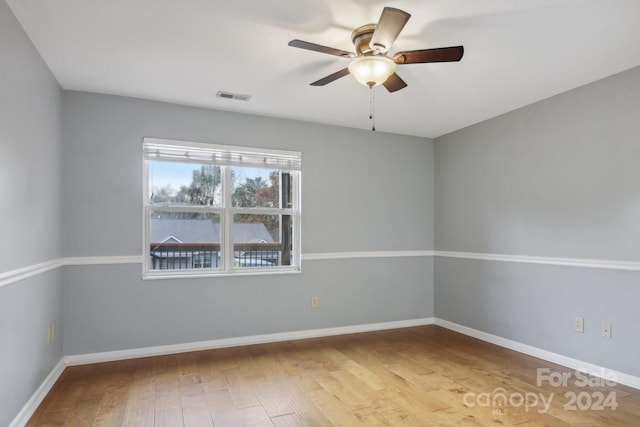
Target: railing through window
(181,256)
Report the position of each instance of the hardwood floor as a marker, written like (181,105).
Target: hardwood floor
(422,376)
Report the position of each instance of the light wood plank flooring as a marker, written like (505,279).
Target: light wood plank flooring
(422,376)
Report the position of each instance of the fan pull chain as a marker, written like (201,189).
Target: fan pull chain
(372,109)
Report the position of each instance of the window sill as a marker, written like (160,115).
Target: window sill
(169,274)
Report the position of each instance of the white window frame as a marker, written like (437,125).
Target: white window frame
(226,157)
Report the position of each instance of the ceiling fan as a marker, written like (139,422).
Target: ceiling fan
(370,65)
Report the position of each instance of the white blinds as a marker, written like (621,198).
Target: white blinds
(193,152)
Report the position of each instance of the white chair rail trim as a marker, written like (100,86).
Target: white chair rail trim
(566,262)
(16,275)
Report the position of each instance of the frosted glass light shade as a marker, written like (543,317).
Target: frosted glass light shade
(372,70)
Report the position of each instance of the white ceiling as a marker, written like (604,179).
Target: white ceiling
(516,52)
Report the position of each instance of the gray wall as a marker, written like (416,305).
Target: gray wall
(361,191)
(30,215)
(559,178)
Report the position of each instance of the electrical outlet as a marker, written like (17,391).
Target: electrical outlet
(51,333)
(606,330)
(314,302)
(578,324)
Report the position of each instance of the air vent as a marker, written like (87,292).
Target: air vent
(234,96)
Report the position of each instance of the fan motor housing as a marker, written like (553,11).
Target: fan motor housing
(361,37)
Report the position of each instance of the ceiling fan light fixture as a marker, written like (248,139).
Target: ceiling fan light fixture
(372,70)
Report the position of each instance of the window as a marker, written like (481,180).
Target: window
(216,209)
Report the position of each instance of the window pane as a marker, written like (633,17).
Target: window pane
(184,240)
(214,210)
(253,187)
(261,240)
(184,183)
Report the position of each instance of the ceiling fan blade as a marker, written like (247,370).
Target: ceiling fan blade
(319,48)
(391,22)
(331,77)
(394,83)
(441,54)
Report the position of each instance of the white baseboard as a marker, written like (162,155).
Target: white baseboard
(82,359)
(36,399)
(578,365)
(109,356)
